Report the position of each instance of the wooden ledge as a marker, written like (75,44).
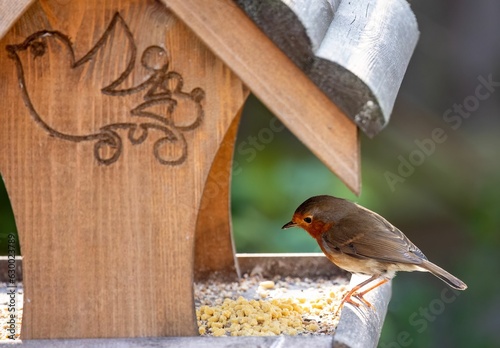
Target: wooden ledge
(290,264)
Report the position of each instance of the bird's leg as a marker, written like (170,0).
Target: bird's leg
(382,282)
(359,296)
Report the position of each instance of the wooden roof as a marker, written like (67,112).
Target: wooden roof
(356,52)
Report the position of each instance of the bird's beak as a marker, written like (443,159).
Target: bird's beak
(289,224)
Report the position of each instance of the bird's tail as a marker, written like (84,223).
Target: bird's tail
(446,277)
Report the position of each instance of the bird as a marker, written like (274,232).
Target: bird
(361,241)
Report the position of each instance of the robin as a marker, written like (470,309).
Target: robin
(361,241)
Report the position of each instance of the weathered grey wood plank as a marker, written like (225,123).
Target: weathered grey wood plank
(357,52)
(363,58)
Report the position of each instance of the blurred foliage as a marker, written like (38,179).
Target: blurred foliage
(449,206)
(7,223)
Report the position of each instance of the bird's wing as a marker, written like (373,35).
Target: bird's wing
(120,49)
(366,234)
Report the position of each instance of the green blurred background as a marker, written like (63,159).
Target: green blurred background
(449,206)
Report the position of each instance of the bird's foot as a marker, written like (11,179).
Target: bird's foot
(350,297)
(359,297)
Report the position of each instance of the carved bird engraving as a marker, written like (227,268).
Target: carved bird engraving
(56,87)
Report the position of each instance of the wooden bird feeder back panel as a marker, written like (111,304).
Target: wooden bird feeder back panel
(112,118)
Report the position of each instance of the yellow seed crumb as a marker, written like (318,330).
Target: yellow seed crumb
(246,326)
(266,306)
(234,327)
(312,327)
(268,284)
(213,318)
(260,318)
(219,332)
(255,304)
(276,330)
(276,314)
(248,310)
(217,325)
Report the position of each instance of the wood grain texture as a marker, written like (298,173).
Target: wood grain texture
(108,246)
(214,245)
(277,82)
(10,11)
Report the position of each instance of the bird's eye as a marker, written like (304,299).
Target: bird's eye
(307,220)
(38,48)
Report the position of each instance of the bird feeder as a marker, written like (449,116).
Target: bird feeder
(118,123)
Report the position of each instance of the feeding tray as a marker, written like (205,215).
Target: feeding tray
(356,327)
